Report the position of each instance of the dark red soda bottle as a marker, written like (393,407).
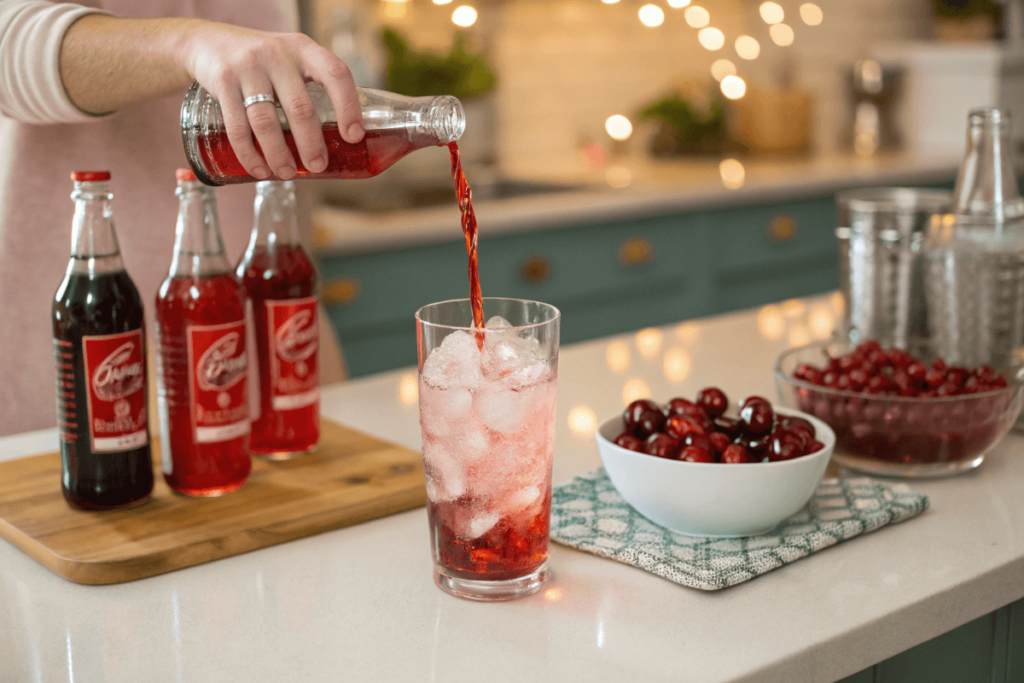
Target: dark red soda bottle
(99,347)
(202,360)
(281,283)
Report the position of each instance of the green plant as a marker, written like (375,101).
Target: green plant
(425,72)
(690,127)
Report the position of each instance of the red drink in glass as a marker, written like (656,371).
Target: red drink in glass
(202,364)
(281,283)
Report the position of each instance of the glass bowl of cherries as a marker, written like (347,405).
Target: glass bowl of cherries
(900,412)
(699,469)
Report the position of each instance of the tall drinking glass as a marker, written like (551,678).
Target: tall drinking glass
(487,411)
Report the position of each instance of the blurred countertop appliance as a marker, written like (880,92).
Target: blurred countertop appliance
(944,81)
(874,91)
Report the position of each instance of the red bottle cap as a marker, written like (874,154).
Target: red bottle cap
(184,174)
(90,176)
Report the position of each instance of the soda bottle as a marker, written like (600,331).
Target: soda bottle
(280,280)
(395,125)
(202,364)
(99,346)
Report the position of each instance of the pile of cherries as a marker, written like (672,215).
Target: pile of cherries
(699,431)
(871,369)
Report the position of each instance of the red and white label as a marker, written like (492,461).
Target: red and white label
(294,340)
(219,368)
(115,372)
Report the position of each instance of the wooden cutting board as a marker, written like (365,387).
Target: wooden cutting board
(350,478)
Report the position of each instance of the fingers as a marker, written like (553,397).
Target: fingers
(302,118)
(236,125)
(325,68)
(266,126)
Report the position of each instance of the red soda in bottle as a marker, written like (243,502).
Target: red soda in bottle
(202,361)
(99,347)
(281,282)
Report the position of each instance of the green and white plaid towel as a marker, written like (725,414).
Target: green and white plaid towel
(587,513)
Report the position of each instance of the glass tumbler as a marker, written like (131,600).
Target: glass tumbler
(487,412)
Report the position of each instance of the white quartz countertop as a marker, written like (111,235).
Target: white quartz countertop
(359,604)
(627,188)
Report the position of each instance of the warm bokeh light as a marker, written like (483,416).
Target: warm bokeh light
(772,12)
(811,14)
(734,87)
(648,342)
(635,389)
(582,422)
(651,15)
(618,176)
(395,9)
(770,322)
(464,16)
(408,389)
(782,35)
(838,303)
(798,335)
(677,365)
(676,4)
(793,308)
(711,38)
(697,16)
(554,594)
(732,171)
(722,68)
(442,2)
(617,356)
(688,332)
(748,47)
(618,127)
(821,320)
(610,2)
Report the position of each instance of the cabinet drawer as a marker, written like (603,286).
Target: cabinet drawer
(780,233)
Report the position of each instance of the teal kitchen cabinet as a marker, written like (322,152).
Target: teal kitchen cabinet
(606,278)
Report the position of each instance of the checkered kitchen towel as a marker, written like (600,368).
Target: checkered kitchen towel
(587,513)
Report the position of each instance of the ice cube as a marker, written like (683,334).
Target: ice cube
(501,408)
(442,410)
(480,525)
(497,322)
(455,363)
(444,472)
(505,352)
(521,499)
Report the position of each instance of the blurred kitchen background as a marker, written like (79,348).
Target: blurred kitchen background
(638,163)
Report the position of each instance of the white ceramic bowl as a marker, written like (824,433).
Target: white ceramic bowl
(714,499)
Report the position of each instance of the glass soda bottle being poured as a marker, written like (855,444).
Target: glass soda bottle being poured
(202,364)
(395,126)
(281,283)
(99,347)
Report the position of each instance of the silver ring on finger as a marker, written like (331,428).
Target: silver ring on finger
(255,99)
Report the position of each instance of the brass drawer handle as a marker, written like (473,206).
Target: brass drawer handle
(782,228)
(535,269)
(342,291)
(636,251)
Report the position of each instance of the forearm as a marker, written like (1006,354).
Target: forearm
(108,62)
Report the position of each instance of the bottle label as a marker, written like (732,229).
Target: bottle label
(115,377)
(294,340)
(219,367)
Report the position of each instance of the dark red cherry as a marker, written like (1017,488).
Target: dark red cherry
(757,446)
(787,451)
(635,410)
(757,417)
(683,406)
(720,441)
(793,421)
(752,399)
(628,441)
(814,447)
(782,438)
(695,454)
(735,454)
(713,400)
(727,425)
(662,446)
(701,441)
(678,426)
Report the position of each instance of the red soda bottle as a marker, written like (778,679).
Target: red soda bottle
(99,347)
(202,365)
(281,282)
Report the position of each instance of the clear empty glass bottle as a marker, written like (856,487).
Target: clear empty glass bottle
(395,126)
(975,271)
